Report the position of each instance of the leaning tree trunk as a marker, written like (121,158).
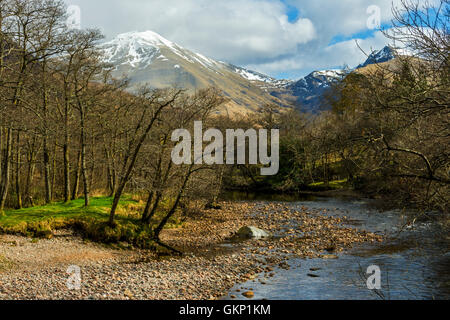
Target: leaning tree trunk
(76,181)
(172,211)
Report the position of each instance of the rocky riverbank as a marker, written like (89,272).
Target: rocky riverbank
(36,269)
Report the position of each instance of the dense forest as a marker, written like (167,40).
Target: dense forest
(69,130)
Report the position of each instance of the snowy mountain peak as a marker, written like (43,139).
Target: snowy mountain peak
(149,37)
(328,74)
(383,55)
(137,49)
(140,50)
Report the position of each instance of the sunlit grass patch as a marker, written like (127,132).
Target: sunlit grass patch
(332,185)
(41,221)
(37,221)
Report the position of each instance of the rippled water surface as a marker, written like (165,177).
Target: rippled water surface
(415,263)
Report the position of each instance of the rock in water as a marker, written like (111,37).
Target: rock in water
(252,233)
(248,294)
(312,275)
(330,256)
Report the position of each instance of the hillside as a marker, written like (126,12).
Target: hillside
(148,58)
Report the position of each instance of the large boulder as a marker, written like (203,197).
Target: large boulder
(250,232)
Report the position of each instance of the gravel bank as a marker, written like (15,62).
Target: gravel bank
(31,269)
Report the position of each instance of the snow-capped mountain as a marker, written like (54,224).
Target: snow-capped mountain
(148,58)
(318,80)
(262,78)
(141,49)
(309,91)
(380,56)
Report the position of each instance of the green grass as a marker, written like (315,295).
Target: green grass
(41,221)
(60,211)
(332,185)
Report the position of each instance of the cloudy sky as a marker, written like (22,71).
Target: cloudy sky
(282,38)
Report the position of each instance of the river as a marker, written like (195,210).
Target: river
(414,261)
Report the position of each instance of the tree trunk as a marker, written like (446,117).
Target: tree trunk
(83,160)
(147,206)
(66,151)
(152,213)
(111,182)
(31,158)
(53,173)
(66,172)
(46,163)
(175,205)
(76,182)
(6,168)
(128,169)
(92,166)
(18,166)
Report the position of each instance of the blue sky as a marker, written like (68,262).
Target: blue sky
(282,38)
(292,12)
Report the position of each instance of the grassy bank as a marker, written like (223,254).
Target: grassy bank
(41,221)
(268,188)
(330,186)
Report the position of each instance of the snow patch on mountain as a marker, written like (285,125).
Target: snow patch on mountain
(254,76)
(380,56)
(140,49)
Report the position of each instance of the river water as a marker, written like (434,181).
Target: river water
(414,262)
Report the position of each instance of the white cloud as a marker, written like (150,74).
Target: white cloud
(240,31)
(342,53)
(343,17)
(255,33)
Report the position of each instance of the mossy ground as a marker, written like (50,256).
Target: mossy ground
(41,221)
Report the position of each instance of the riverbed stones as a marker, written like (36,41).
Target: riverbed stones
(202,271)
(312,275)
(249,294)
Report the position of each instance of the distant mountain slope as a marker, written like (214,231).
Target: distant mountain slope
(308,93)
(148,58)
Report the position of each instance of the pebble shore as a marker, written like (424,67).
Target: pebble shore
(211,266)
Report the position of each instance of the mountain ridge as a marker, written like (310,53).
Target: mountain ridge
(148,58)
(309,92)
